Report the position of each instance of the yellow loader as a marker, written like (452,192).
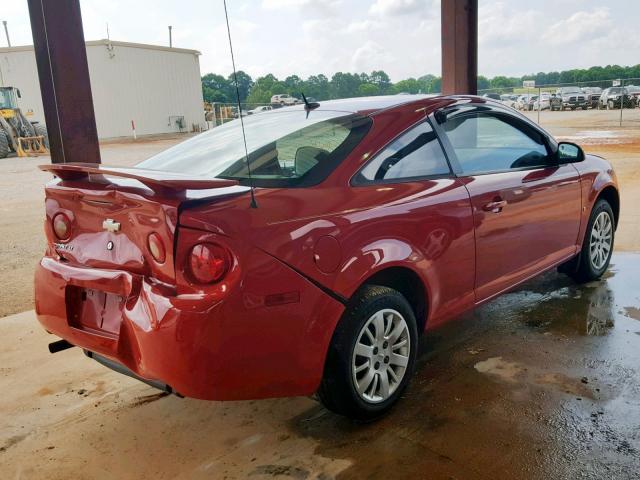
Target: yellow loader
(17,133)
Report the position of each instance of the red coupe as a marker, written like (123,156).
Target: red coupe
(313,260)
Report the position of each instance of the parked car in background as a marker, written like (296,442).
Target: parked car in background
(531,102)
(509,100)
(634,94)
(572,97)
(263,108)
(523,102)
(284,99)
(310,259)
(614,97)
(593,95)
(542,103)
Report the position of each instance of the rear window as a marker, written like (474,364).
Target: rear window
(286,149)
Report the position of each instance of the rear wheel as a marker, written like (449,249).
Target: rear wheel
(372,355)
(4,144)
(597,246)
(41,131)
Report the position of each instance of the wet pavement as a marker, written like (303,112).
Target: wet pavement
(541,383)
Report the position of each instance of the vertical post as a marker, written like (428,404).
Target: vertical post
(621,101)
(63,71)
(170,37)
(539,103)
(459,47)
(6,32)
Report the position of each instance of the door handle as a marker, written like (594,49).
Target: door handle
(495,207)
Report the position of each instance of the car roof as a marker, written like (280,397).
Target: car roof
(367,105)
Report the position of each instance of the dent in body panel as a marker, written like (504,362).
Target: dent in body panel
(425,226)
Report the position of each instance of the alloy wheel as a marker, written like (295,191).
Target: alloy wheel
(381,356)
(601,240)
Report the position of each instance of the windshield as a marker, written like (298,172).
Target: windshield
(616,90)
(5,98)
(571,90)
(286,148)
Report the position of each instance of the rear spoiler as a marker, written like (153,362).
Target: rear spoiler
(158,181)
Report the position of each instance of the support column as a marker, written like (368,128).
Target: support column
(459,47)
(61,55)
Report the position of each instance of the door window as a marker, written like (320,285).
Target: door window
(415,154)
(486,143)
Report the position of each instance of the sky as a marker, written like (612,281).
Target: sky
(401,37)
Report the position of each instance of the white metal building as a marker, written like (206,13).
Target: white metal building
(159,88)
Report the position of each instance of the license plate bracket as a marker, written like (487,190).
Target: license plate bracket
(94,310)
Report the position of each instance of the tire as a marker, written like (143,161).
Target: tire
(4,144)
(345,369)
(29,131)
(585,268)
(610,105)
(41,130)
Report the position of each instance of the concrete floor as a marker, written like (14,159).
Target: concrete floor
(542,383)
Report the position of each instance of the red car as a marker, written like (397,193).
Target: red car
(314,263)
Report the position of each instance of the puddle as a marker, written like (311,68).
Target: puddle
(498,367)
(539,383)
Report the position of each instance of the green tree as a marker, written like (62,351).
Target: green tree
(410,85)
(368,90)
(244,84)
(216,88)
(317,86)
(344,85)
(483,83)
(381,80)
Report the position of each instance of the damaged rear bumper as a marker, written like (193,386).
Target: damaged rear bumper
(240,347)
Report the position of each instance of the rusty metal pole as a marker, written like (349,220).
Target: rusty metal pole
(61,55)
(459,47)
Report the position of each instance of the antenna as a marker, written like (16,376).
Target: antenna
(244,136)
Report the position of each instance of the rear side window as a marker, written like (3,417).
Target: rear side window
(485,143)
(288,148)
(415,154)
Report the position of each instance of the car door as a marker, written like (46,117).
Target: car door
(526,206)
(424,205)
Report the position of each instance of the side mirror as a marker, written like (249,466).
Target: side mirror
(18,92)
(569,153)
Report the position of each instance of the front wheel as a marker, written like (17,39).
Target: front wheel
(372,355)
(597,246)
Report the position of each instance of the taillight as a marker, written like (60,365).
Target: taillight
(61,226)
(208,262)
(156,247)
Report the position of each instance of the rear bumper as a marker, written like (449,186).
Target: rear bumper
(229,349)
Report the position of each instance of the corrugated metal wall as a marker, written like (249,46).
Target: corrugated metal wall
(153,86)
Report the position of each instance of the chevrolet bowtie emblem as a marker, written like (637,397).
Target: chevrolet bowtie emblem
(110,225)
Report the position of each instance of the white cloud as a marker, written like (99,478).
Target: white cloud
(500,26)
(321,7)
(579,27)
(402,37)
(385,8)
(363,26)
(368,57)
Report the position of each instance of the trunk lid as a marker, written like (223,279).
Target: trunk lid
(113,211)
